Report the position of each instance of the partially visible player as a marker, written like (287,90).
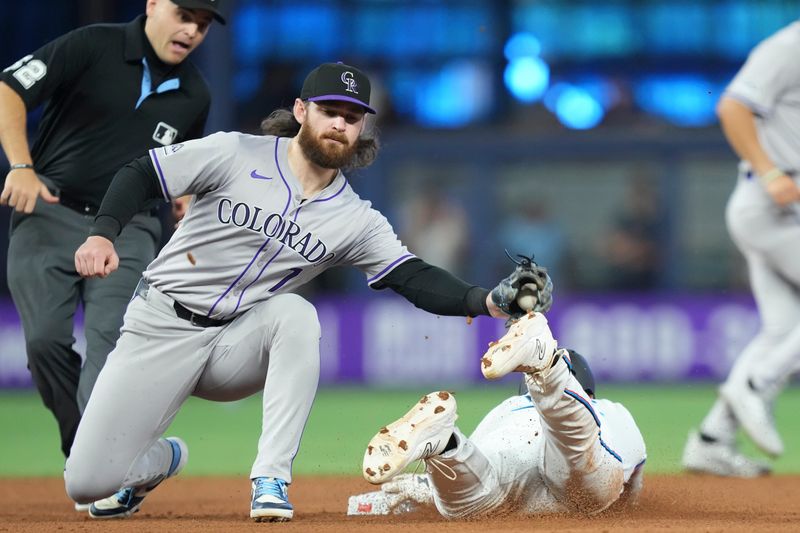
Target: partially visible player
(109,93)
(215,315)
(760,116)
(554,449)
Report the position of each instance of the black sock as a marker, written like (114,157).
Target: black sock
(452,444)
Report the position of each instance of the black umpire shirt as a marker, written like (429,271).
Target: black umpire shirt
(109,100)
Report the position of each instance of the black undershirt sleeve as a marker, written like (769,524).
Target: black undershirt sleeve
(435,290)
(133,186)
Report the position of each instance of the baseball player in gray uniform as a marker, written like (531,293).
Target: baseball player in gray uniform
(760,116)
(214,315)
(554,449)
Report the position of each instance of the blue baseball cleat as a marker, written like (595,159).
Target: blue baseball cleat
(270,502)
(128,500)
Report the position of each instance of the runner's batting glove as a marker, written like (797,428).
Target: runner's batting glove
(528,288)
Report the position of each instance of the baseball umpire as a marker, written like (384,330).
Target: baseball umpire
(554,448)
(215,315)
(110,93)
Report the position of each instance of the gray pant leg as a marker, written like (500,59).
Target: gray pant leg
(464,482)
(769,238)
(154,367)
(105,299)
(577,469)
(273,347)
(45,289)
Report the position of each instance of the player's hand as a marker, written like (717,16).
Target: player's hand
(22,189)
(96,258)
(179,207)
(783,190)
(494,310)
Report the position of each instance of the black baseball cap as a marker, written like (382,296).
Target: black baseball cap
(337,81)
(212,6)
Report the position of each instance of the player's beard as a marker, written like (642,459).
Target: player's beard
(326,154)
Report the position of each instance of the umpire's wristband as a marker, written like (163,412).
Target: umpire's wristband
(475,301)
(105,226)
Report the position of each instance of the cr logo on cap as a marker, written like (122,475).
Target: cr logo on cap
(350,81)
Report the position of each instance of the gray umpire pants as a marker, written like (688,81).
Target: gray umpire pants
(47,290)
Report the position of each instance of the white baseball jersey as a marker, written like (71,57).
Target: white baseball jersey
(507,436)
(769,84)
(249,234)
(554,449)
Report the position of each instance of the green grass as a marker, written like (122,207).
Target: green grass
(223,436)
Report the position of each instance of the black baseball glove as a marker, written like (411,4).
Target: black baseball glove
(528,285)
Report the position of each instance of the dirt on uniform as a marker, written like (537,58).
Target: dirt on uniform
(189,504)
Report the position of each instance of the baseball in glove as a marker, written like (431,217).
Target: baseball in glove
(528,288)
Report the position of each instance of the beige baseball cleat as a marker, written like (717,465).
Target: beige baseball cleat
(421,433)
(528,346)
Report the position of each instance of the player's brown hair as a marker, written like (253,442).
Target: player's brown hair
(282,123)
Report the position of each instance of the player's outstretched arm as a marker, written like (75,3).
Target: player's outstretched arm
(96,258)
(436,291)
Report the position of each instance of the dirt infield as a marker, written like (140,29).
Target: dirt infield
(677,503)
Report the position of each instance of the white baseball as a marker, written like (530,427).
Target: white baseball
(526,297)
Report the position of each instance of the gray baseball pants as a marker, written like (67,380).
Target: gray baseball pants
(769,238)
(160,360)
(47,290)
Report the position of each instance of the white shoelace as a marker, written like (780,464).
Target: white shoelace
(443,468)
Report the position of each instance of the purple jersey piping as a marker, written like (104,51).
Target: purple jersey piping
(337,193)
(390,267)
(238,278)
(285,208)
(238,303)
(264,267)
(162,181)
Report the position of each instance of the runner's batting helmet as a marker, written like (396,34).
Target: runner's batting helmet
(579,367)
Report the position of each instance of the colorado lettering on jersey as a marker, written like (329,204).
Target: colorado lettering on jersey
(274,226)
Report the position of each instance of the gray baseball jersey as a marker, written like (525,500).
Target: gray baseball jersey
(249,234)
(769,84)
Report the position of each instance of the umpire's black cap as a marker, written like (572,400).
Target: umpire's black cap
(337,81)
(579,367)
(213,6)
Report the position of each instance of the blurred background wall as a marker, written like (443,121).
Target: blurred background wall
(581,131)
